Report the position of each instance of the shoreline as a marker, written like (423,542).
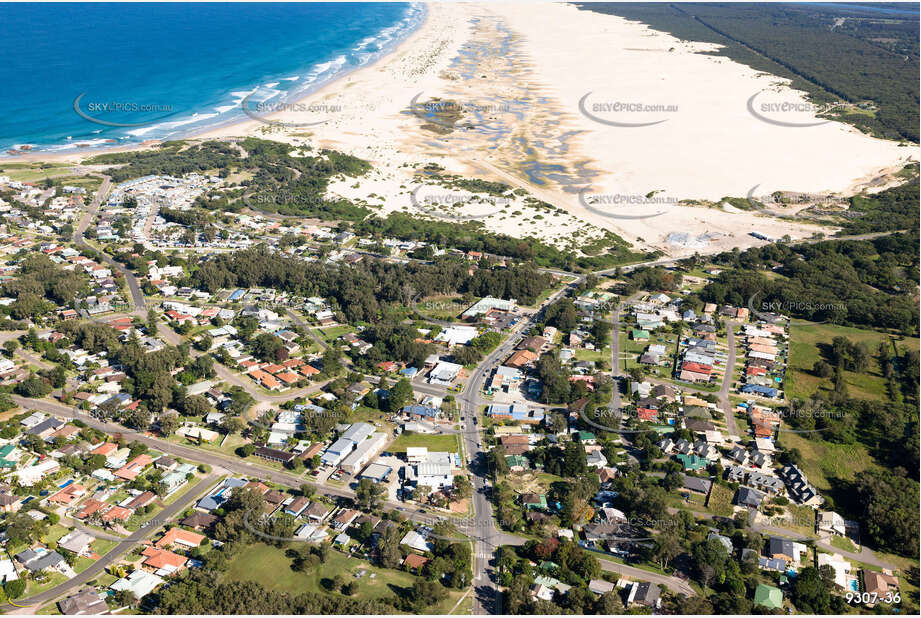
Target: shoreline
(520,73)
(36,154)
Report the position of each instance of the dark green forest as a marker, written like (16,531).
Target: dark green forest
(281,183)
(864,283)
(363,291)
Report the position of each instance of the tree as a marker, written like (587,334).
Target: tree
(204,342)
(667,547)
(368,494)
(246,450)
(332,361)
(811,592)
(168,424)
(822,369)
(400,394)
(139,419)
(388,548)
(462,487)
(10,346)
(195,405)
(33,387)
(15,588)
(890,503)
(268,347)
(710,560)
(609,603)
(232,425)
(637,374)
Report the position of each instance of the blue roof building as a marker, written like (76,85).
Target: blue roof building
(757,389)
(420,410)
(220,496)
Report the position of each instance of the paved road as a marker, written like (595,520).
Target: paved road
(310,331)
(232,464)
(225,374)
(675,584)
(865,554)
(137,296)
(731,425)
(124,546)
(487,538)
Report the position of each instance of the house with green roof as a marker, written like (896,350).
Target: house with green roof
(586,437)
(517,462)
(638,334)
(691,462)
(768,596)
(534,501)
(7,450)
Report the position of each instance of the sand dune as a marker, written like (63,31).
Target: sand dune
(561,101)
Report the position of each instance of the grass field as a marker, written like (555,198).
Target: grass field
(269,567)
(433,442)
(32,172)
(806,344)
(447,308)
(720,501)
(843,543)
(631,351)
(331,334)
(594,355)
(823,461)
(50,582)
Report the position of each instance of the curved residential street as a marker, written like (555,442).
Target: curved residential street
(123,547)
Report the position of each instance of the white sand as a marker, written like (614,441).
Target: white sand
(525,67)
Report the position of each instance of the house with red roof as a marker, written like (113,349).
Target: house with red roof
(105,449)
(163,560)
(309,370)
(647,414)
(117,513)
(178,536)
(68,495)
(130,470)
(90,508)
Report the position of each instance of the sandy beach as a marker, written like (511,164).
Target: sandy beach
(563,103)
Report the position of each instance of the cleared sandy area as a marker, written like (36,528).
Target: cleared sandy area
(513,77)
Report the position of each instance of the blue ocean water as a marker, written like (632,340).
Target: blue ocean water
(174,68)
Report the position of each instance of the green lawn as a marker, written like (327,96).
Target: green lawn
(433,442)
(269,567)
(55,533)
(720,501)
(50,582)
(331,334)
(594,355)
(50,609)
(31,172)
(446,308)
(843,543)
(806,342)
(823,461)
(803,519)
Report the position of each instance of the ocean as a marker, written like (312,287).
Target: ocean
(165,70)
